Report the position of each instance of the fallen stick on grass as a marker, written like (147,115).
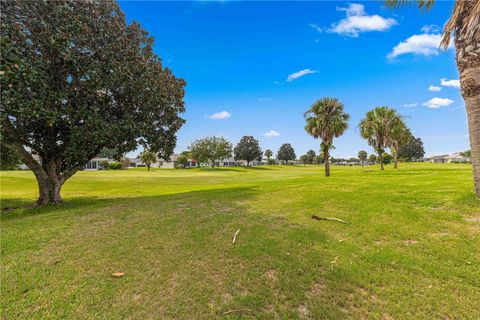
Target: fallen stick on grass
(235,236)
(237,310)
(328,219)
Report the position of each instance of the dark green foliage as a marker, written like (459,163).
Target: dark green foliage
(286,153)
(248,149)
(309,157)
(106,153)
(115,165)
(268,154)
(466,154)
(305,159)
(318,159)
(372,158)
(76,78)
(311,153)
(182,160)
(387,158)
(412,150)
(9,159)
(210,149)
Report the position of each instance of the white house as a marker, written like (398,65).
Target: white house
(94,164)
(445,158)
(456,157)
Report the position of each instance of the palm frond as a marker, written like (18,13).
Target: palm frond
(470,24)
(421,4)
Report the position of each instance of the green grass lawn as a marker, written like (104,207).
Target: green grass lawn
(411,249)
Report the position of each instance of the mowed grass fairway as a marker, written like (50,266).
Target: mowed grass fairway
(411,249)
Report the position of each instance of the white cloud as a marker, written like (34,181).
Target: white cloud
(418,44)
(410,105)
(425,44)
(299,74)
(358,21)
(434,88)
(450,83)
(436,103)
(316,27)
(271,133)
(431,28)
(220,115)
(264,99)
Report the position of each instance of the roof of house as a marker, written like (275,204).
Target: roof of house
(456,155)
(101,159)
(443,156)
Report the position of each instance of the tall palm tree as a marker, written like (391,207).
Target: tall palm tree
(326,120)
(376,128)
(148,158)
(399,135)
(465,24)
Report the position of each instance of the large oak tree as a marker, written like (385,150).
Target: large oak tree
(248,149)
(210,149)
(76,78)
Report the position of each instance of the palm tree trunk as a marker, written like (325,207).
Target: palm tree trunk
(380,156)
(327,164)
(468,63)
(395,159)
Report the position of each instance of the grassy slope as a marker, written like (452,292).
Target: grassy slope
(411,249)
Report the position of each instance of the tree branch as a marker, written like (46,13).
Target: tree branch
(17,145)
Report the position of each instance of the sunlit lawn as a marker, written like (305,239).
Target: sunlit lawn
(410,250)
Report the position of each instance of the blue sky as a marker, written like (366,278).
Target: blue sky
(254,68)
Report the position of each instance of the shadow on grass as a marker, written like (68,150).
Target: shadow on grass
(193,229)
(87,203)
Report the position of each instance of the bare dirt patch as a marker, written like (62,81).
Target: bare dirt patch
(303,311)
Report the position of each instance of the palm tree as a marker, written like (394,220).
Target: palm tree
(268,154)
(362,155)
(465,24)
(326,120)
(399,135)
(148,158)
(376,127)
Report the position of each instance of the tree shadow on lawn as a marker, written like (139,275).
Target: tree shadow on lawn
(273,269)
(258,168)
(14,208)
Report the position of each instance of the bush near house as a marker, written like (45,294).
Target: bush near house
(115,165)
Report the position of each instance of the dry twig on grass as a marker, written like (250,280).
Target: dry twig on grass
(235,236)
(315,217)
(237,310)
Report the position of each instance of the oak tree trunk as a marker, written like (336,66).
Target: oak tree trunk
(468,63)
(49,191)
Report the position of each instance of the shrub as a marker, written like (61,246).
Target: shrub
(104,165)
(115,165)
